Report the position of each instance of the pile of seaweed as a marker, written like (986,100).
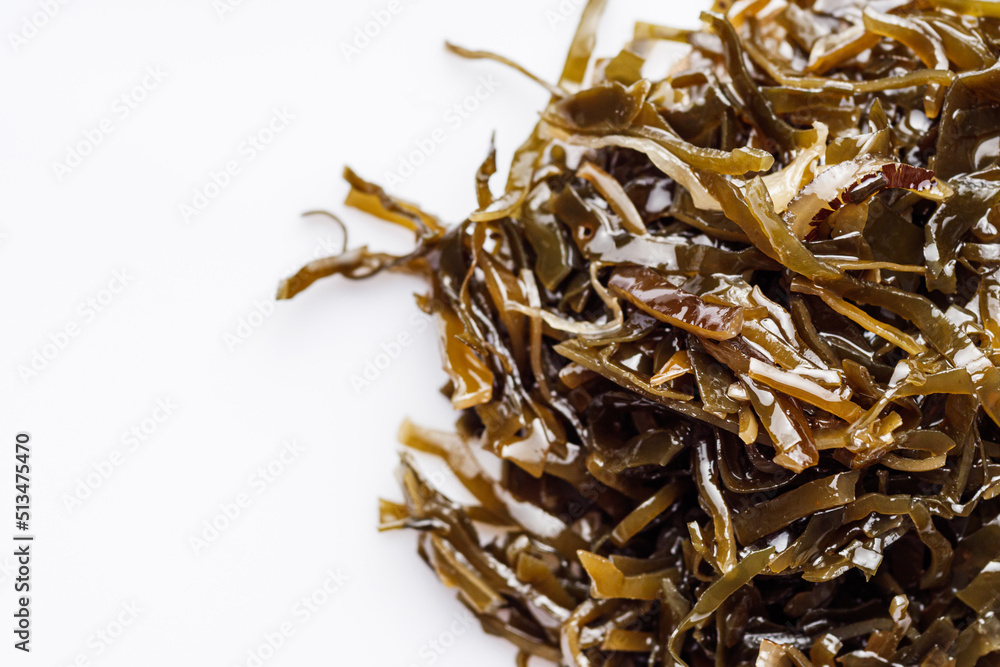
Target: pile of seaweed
(732,333)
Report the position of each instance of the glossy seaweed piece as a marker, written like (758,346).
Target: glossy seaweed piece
(730,337)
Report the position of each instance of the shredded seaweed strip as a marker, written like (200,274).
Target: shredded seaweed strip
(730,334)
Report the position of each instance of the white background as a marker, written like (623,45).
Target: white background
(124,538)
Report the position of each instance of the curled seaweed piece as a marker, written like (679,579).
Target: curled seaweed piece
(725,349)
(853,183)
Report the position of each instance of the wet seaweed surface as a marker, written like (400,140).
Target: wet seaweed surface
(731,334)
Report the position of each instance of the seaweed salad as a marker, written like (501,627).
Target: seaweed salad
(731,335)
